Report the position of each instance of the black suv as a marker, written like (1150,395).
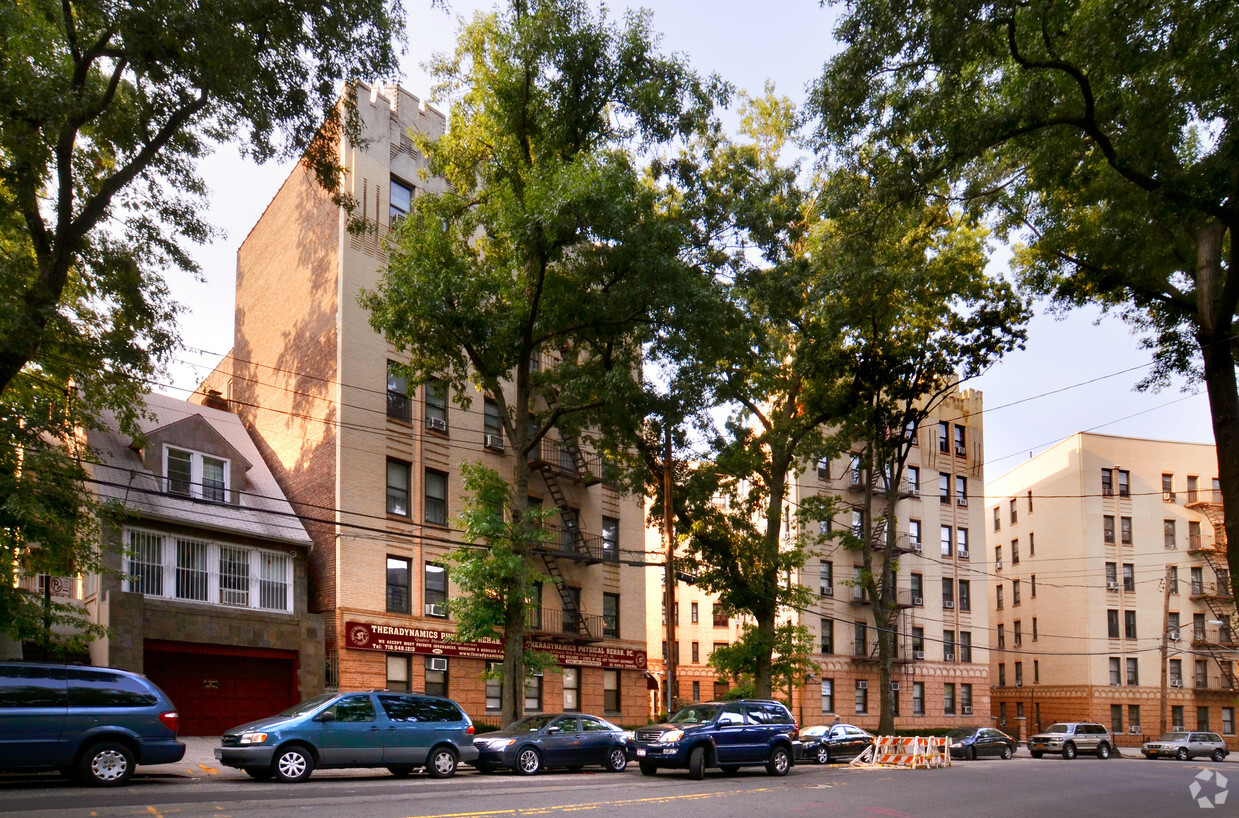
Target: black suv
(728,735)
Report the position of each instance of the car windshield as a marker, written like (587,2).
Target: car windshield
(819,730)
(1057,728)
(530,724)
(695,714)
(1174,737)
(309,705)
(962,732)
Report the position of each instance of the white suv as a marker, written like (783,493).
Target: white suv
(1071,738)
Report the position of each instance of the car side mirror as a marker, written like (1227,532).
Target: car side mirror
(326,715)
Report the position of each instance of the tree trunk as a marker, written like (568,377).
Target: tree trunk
(886,617)
(765,614)
(512,706)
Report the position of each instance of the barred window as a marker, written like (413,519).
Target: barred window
(145,563)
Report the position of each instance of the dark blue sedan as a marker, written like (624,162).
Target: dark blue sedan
(570,740)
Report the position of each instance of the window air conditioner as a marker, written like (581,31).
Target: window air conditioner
(997,565)
(1178,728)
(1168,496)
(963,553)
(1019,683)
(948,604)
(436,424)
(1176,683)
(967,710)
(1174,636)
(1134,729)
(536,673)
(948,657)
(436,609)
(918,654)
(493,442)
(917,547)
(961,501)
(437,663)
(828,590)
(960,451)
(861,684)
(1112,586)
(918,601)
(1017,642)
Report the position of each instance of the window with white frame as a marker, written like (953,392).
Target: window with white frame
(196,475)
(196,570)
(828,695)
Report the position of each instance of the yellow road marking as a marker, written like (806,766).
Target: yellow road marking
(627,802)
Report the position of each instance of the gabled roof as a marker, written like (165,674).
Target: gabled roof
(119,473)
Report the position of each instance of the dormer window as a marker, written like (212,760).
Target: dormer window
(192,474)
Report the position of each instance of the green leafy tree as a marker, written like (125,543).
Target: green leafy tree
(533,278)
(916,315)
(105,108)
(1102,135)
(791,662)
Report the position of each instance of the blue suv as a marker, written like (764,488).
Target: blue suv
(727,735)
(399,731)
(94,723)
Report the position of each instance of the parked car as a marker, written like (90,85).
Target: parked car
(826,743)
(544,740)
(1184,745)
(976,742)
(93,723)
(727,735)
(399,731)
(1072,738)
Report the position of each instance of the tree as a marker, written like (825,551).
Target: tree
(534,276)
(1102,134)
(738,661)
(916,315)
(105,109)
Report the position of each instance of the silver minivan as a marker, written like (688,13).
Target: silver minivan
(1071,738)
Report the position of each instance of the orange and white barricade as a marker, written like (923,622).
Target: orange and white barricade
(900,751)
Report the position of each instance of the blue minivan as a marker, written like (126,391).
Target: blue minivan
(378,728)
(94,723)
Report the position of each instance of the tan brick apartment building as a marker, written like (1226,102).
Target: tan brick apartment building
(1080,539)
(374,468)
(942,663)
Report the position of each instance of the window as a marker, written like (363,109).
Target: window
(610,691)
(1116,718)
(533,692)
(436,406)
(1112,574)
(944,488)
(696,656)
(1014,514)
(1017,633)
(1129,577)
(918,698)
(1030,502)
(1015,593)
(1107,486)
(398,407)
(862,697)
(828,636)
(401,201)
(961,490)
(998,557)
(914,481)
(1034,629)
(911,433)
(572,688)
(694,613)
(1174,579)
(965,646)
(1176,716)
(858,522)
(720,618)
(1015,552)
(1228,721)
(194,570)
(398,595)
(492,425)
(1176,672)
(997,518)
(823,469)
(1116,671)
(860,639)
(959,441)
(1125,530)
(948,646)
(696,691)
(1168,533)
(1193,534)
(918,589)
(1133,672)
(436,589)
(965,595)
(998,597)
(398,672)
(914,534)
(1112,623)
(828,695)
(397,488)
(948,699)
(436,675)
(918,640)
(1002,675)
(1019,674)
(826,578)
(196,475)
(611,618)
(1168,488)
(1107,528)
(1032,545)
(1036,671)
(1032,585)
(1124,483)
(1129,624)
(610,539)
(436,497)
(1133,714)
(1202,718)
(961,542)
(1198,581)
(494,686)
(1198,627)
(946,540)
(944,436)
(965,697)
(948,593)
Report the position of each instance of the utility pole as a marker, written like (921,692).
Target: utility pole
(670,581)
(1165,651)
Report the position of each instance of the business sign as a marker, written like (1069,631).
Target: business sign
(401,639)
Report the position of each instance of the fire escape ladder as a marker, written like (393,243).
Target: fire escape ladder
(573,447)
(1221,603)
(572,611)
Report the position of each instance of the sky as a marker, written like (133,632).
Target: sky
(1076,373)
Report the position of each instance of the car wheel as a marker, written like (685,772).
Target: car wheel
(293,764)
(259,773)
(400,772)
(972,753)
(1103,750)
(108,764)
(729,769)
(1007,751)
(1036,754)
(780,761)
(697,763)
(1069,751)
(1218,755)
(528,761)
(648,767)
(442,762)
(1150,756)
(1182,754)
(617,760)
(823,755)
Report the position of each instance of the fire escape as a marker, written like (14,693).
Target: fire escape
(560,461)
(1218,598)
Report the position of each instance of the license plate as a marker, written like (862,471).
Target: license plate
(640,753)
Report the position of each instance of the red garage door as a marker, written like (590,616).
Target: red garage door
(215,688)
